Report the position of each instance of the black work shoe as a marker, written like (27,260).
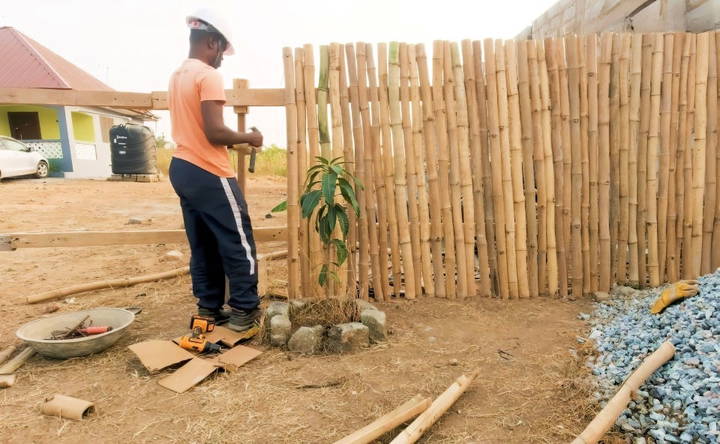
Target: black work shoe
(243,320)
(221,316)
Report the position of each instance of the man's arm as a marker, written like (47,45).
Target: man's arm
(219,134)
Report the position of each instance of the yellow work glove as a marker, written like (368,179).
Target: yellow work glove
(675,292)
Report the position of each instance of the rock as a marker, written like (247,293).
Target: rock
(307,340)
(280,327)
(277,308)
(583,316)
(347,337)
(375,322)
(365,305)
(601,296)
(626,292)
(174,255)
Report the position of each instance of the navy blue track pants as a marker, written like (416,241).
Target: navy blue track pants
(218,229)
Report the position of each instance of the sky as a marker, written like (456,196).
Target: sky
(134,45)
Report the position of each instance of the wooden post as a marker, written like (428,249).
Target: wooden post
(710,159)
(615,155)
(571,44)
(292,161)
(716,229)
(323,92)
(623,119)
(673,272)
(652,162)
(303,240)
(645,81)
(687,252)
(664,172)
(591,63)
(699,155)
(634,116)
(604,160)
(585,165)
(241,112)
(567,145)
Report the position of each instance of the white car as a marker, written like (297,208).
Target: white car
(17,159)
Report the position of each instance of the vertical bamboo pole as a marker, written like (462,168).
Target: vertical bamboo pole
(687,253)
(369,184)
(623,177)
(324,135)
(571,44)
(503,261)
(653,145)
(419,148)
(716,229)
(507,184)
(711,158)
(615,156)
(549,172)
(585,165)
(412,192)
(664,172)
(485,171)
(476,164)
(591,60)
(444,170)
(360,173)
(303,240)
(567,145)
(401,194)
(634,116)
(699,155)
(604,160)
(558,176)
(681,150)
(645,81)
(673,272)
(293,197)
(528,167)
(388,165)
(464,164)
(379,174)
(431,150)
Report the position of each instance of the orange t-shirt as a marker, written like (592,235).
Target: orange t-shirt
(191,84)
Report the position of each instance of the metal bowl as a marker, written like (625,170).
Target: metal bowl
(36,332)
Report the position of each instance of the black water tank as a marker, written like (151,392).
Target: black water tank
(132,149)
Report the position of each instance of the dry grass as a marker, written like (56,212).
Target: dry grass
(271,161)
(325,312)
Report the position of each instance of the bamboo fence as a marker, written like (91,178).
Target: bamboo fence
(512,169)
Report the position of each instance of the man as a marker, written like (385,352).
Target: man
(216,217)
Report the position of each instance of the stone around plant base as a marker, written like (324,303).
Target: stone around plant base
(297,304)
(601,296)
(280,327)
(347,337)
(365,305)
(275,309)
(374,320)
(307,340)
(626,292)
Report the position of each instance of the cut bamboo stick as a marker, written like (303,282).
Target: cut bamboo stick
(567,145)
(476,164)
(634,116)
(464,163)
(673,272)
(497,185)
(379,174)
(303,240)
(710,158)
(17,361)
(716,229)
(389,168)
(571,47)
(401,193)
(387,422)
(687,252)
(585,165)
(645,81)
(292,184)
(550,208)
(523,166)
(431,150)
(652,162)
(699,154)
(664,171)
(623,176)
(591,60)
(604,160)
(451,267)
(5,354)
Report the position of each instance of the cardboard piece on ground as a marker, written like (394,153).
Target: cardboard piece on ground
(225,336)
(7,381)
(156,355)
(67,407)
(188,375)
(236,357)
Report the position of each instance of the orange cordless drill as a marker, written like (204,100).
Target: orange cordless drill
(196,341)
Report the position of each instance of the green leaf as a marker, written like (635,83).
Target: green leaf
(342,219)
(340,250)
(282,206)
(319,218)
(349,194)
(332,217)
(328,187)
(322,160)
(308,202)
(323,276)
(337,169)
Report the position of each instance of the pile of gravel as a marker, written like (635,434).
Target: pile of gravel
(681,401)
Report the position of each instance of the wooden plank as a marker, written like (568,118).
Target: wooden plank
(13,241)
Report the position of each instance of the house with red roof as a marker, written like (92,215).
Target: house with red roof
(75,139)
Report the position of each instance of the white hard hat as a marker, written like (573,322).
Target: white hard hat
(216,21)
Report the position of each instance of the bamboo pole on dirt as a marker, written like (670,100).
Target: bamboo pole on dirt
(585,164)
(715,257)
(292,162)
(507,184)
(634,116)
(452,266)
(566,134)
(664,172)
(591,60)
(652,162)
(516,165)
(419,148)
(389,168)
(604,160)
(571,47)
(645,80)
(401,193)
(623,132)
(710,158)
(699,155)
(558,176)
(379,174)
(464,163)
(486,177)
(672,261)
(303,241)
(530,123)
(454,158)
(503,260)
(360,172)
(476,165)
(388,422)
(687,251)
(430,145)
(369,184)
(412,191)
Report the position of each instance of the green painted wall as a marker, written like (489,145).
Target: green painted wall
(83,127)
(48,120)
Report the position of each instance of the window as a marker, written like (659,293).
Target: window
(13,145)
(24,125)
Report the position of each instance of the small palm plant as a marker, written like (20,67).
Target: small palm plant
(329,192)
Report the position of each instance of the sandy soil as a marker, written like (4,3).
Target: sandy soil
(529,387)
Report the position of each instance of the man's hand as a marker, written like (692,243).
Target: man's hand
(255,138)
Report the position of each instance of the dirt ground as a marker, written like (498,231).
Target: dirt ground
(529,388)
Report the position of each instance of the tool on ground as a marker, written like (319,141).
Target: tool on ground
(253,154)
(198,344)
(96,330)
(201,324)
(677,291)
(71,332)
